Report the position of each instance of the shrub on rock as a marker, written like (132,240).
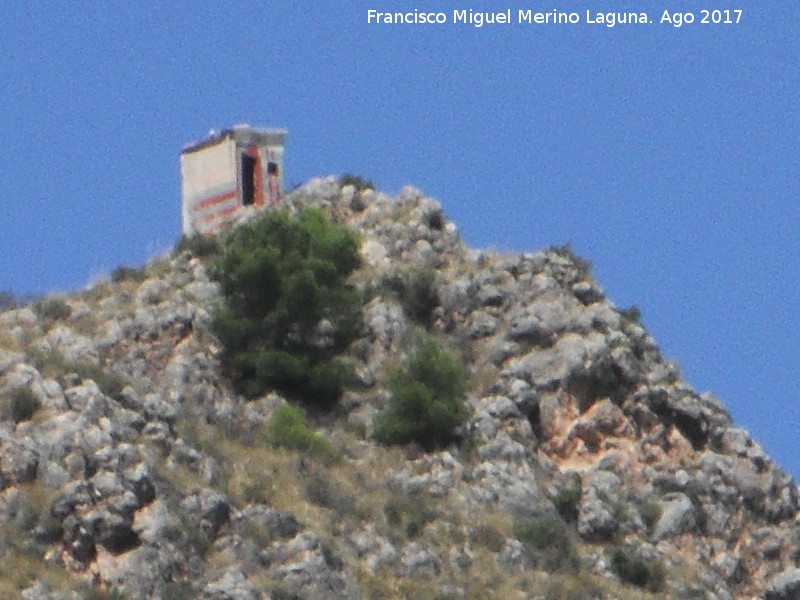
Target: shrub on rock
(287,428)
(550,542)
(289,309)
(428,399)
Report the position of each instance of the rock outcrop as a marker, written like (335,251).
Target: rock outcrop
(128,462)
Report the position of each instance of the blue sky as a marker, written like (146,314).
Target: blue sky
(667,156)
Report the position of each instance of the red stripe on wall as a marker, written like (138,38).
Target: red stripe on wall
(217,215)
(218,199)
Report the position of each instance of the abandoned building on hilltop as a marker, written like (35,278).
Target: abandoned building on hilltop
(228,171)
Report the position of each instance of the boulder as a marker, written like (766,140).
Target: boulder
(374,549)
(72,346)
(311,569)
(233,585)
(265,523)
(210,508)
(152,291)
(596,521)
(481,324)
(18,463)
(87,399)
(41,591)
(784,586)
(678,515)
(419,562)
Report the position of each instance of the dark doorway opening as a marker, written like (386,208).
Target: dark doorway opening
(272,168)
(248,180)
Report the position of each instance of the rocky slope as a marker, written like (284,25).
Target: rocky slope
(129,468)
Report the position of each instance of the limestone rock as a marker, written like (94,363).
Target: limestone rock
(677,516)
(138,473)
(419,562)
(308,567)
(596,522)
(233,585)
(18,463)
(210,508)
(784,586)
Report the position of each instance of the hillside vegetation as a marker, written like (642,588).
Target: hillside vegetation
(340,400)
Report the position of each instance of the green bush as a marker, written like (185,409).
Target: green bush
(22,404)
(428,399)
(415,290)
(52,309)
(583,266)
(358,182)
(632,568)
(567,500)
(199,245)
(420,296)
(550,542)
(632,314)
(651,513)
(180,589)
(289,309)
(489,537)
(435,219)
(287,428)
(410,515)
(321,489)
(126,273)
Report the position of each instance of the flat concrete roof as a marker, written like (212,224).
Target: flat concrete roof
(243,134)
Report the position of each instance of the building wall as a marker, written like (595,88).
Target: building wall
(273,185)
(210,186)
(212,172)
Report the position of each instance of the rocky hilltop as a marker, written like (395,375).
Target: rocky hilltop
(130,468)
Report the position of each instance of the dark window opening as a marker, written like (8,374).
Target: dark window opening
(248,179)
(272,168)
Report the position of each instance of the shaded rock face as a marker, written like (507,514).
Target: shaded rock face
(132,464)
(785,586)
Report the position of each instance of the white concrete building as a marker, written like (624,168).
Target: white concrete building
(228,171)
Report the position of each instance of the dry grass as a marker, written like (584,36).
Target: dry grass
(22,561)
(21,569)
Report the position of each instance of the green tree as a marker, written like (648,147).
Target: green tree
(289,309)
(428,399)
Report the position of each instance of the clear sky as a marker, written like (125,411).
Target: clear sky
(667,156)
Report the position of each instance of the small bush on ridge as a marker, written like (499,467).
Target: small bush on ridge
(632,568)
(358,182)
(22,405)
(199,245)
(550,541)
(126,273)
(414,290)
(583,266)
(632,314)
(52,309)
(428,399)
